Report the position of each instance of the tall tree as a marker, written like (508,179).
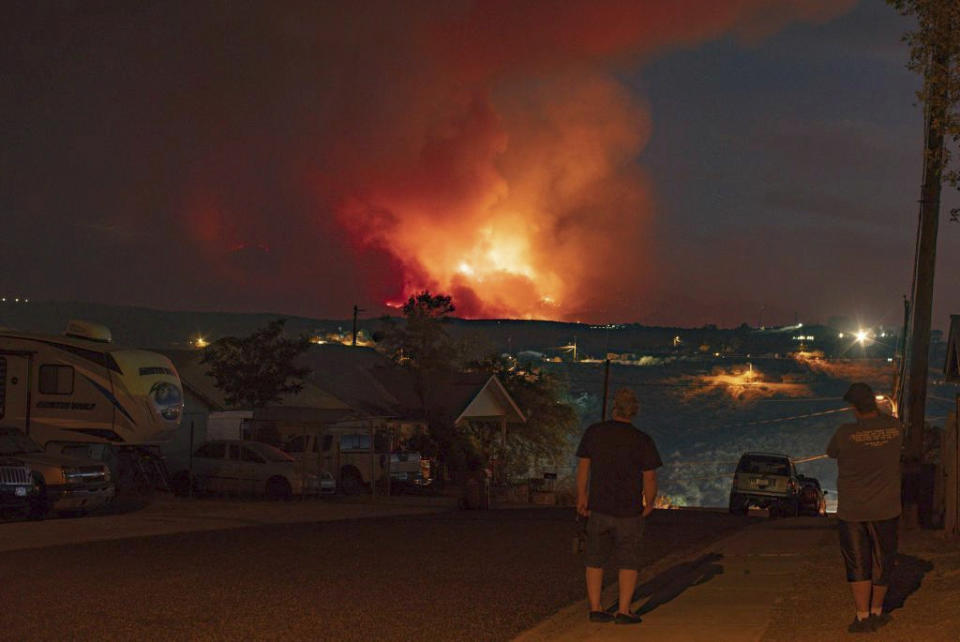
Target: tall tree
(934,53)
(257,370)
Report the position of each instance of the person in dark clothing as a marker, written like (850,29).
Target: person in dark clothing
(616,489)
(868,502)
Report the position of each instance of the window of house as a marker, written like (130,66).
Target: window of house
(56,379)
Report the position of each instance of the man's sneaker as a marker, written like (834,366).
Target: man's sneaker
(601,616)
(861,626)
(626,618)
(880,620)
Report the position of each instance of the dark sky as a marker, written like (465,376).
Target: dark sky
(674,163)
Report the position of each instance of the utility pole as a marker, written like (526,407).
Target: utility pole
(356,310)
(937,100)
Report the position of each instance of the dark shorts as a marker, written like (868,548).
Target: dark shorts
(869,550)
(616,537)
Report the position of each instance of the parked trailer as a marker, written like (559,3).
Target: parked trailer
(80,394)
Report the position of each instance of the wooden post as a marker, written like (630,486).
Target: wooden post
(389,458)
(190,464)
(373,464)
(503,449)
(955,486)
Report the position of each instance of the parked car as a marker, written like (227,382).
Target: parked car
(16,486)
(245,468)
(64,483)
(812,497)
(765,480)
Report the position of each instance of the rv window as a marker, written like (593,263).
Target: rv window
(56,380)
(212,450)
(356,441)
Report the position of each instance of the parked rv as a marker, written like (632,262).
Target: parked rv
(80,388)
(63,483)
(345,454)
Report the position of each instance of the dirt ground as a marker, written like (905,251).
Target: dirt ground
(922,598)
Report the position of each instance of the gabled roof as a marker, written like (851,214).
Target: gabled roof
(492,402)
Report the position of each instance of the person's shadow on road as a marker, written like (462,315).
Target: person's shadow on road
(905,579)
(675,580)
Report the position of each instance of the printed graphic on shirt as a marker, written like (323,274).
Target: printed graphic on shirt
(876,437)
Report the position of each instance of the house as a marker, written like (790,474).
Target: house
(348,391)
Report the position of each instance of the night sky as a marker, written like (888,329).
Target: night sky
(683,162)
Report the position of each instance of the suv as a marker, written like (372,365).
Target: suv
(64,483)
(765,480)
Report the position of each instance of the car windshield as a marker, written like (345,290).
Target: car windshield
(270,453)
(764,465)
(14,443)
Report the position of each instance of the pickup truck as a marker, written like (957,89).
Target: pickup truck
(16,486)
(64,483)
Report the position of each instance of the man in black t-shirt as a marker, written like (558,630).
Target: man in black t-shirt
(617,463)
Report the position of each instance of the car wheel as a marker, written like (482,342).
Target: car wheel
(351,482)
(738,504)
(278,488)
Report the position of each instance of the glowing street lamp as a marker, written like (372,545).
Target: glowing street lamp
(200,342)
(862,336)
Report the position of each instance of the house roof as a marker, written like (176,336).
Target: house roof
(362,378)
(194,377)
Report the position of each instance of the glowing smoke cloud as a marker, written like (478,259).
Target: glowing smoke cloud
(515,186)
(488,150)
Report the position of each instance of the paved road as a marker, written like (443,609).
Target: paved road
(450,576)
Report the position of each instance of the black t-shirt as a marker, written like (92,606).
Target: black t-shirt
(619,453)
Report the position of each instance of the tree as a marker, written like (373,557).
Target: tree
(256,371)
(421,342)
(934,53)
(552,420)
